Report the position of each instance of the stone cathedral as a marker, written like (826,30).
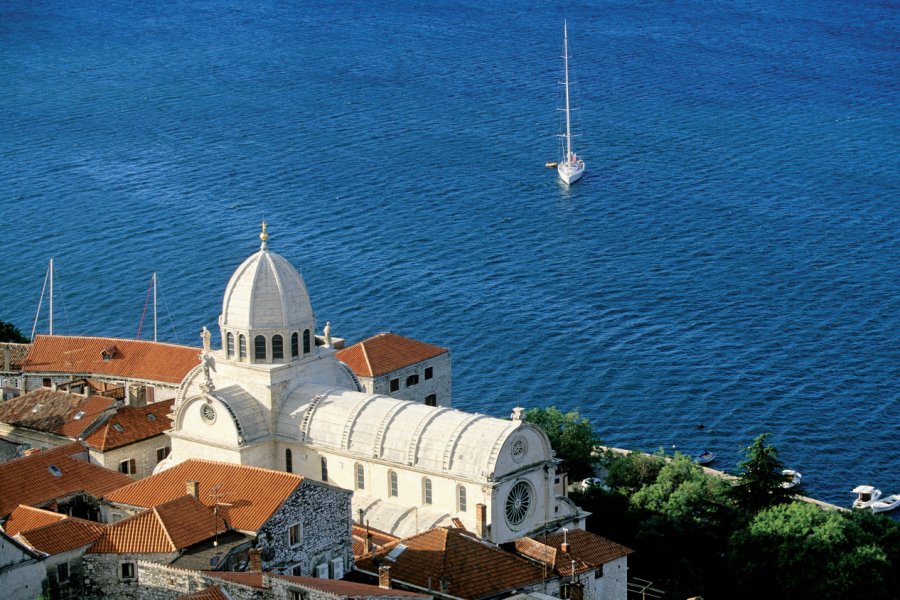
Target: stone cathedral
(275,396)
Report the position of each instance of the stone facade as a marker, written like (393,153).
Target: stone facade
(144,454)
(103,574)
(22,574)
(438,385)
(323,514)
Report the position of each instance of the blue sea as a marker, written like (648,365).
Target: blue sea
(731,259)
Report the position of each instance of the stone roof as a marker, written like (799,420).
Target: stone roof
(588,550)
(45,476)
(26,517)
(64,535)
(386,352)
(166,527)
(470,567)
(131,359)
(254,493)
(54,411)
(132,424)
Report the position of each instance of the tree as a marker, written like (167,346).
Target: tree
(629,473)
(11,333)
(572,436)
(761,481)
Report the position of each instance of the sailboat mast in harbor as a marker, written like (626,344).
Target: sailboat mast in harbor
(570,168)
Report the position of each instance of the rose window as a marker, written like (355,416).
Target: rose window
(518,503)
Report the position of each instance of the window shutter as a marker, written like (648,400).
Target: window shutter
(337,568)
(131,467)
(322,571)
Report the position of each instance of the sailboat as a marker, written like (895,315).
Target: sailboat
(570,168)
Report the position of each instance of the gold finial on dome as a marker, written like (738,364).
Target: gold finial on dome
(264,237)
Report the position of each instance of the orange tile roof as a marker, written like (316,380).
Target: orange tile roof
(134,359)
(338,587)
(25,517)
(254,493)
(64,535)
(588,550)
(137,423)
(54,411)
(379,538)
(167,527)
(29,480)
(386,352)
(210,593)
(472,568)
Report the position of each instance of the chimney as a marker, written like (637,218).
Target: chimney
(564,547)
(384,577)
(87,391)
(193,488)
(480,518)
(255,565)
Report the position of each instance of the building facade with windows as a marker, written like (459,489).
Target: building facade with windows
(272,397)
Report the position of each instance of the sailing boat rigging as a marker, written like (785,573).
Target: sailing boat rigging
(570,168)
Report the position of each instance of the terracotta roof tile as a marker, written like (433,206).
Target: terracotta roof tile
(379,538)
(54,411)
(248,578)
(168,527)
(254,493)
(386,352)
(588,550)
(472,568)
(135,423)
(29,480)
(64,535)
(135,359)
(350,589)
(210,593)
(25,517)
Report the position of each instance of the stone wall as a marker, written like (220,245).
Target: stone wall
(439,384)
(323,512)
(102,574)
(143,453)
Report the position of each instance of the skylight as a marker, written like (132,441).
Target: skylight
(78,415)
(394,554)
(54,470)
(118,427)
(37,407)
(151,417)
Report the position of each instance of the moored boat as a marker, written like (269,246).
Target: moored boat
(570,168)
(793,478)
(866,495)
(886,503)
(704,458)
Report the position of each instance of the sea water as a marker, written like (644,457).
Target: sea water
(729,260)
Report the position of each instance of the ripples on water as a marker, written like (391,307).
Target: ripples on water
(730,259)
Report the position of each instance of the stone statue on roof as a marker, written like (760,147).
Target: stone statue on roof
(206,336)
(327,332)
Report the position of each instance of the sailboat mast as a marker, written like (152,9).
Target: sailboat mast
(566,63)
(51,296)
(154,306)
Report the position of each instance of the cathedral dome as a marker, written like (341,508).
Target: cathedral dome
(266,292)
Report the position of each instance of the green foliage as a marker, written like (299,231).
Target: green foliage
(572,436)
(11,333)
(629,473)
(761,478)
(798,550)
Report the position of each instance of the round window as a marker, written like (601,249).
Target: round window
(208,413)
(519,448)
(518,504)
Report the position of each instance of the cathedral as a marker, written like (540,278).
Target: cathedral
(276,396)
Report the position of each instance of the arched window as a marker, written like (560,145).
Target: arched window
(259,348)
(324,469)
(306,342)
(242,346)
(229,345)
(277,347)
(460,498)
(288,461)
(393,487)
(426,490)
(295,345)
(360,477)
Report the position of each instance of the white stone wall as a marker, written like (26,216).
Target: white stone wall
(439,384)
(612,585)
(21,575)
(143,453)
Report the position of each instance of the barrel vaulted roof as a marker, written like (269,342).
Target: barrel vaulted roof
(254,493)
(385,353)
(111,357)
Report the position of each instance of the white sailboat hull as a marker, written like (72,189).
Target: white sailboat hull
(569,173)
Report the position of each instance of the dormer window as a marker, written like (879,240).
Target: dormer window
(109,353)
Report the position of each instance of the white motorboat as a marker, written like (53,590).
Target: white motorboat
(793,478)
(570,168)
(886,503)
(866,495)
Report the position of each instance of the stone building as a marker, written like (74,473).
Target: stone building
(22,575)
(271,397)
(133,440)
(301,526)
(400,367)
